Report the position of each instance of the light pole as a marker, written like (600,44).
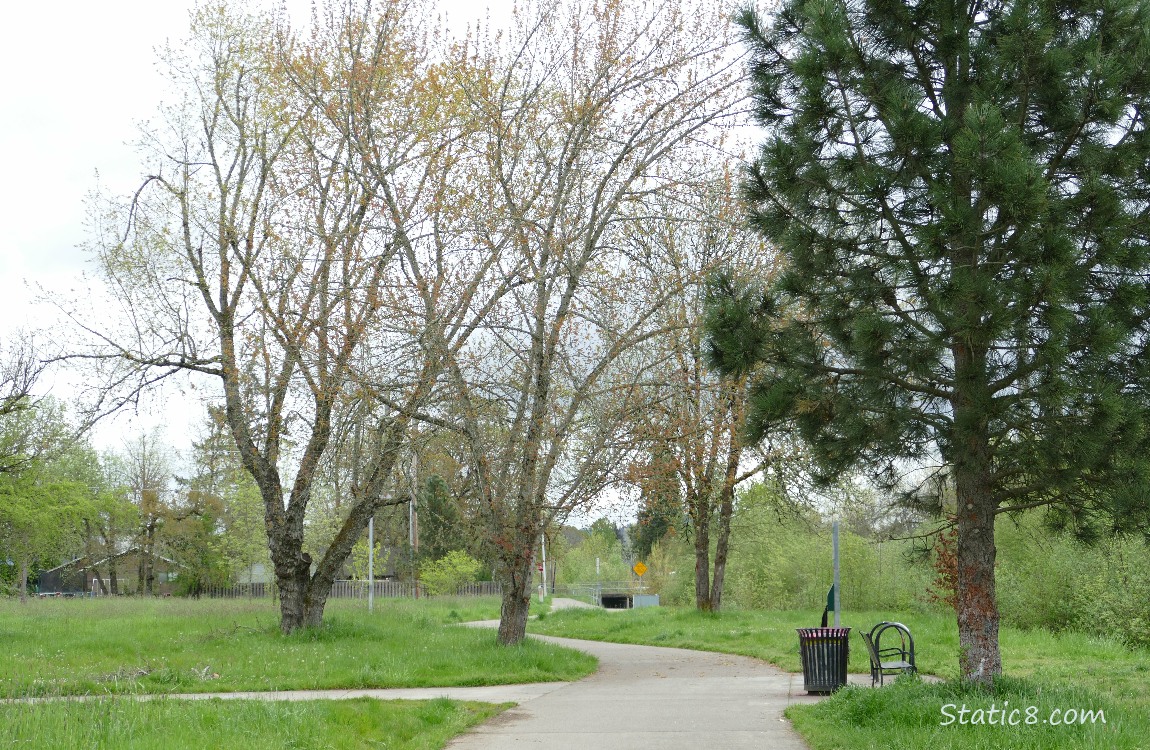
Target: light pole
(543,570)
(371,562)
(835,545)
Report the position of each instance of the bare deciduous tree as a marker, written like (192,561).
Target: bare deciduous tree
(692,421)
(582,114)
(20,368)
(257,253)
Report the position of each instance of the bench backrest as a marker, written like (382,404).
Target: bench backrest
(906,640)
(874,660)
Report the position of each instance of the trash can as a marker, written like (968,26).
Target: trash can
(824,652)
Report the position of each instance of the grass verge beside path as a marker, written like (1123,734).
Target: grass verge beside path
(164,724)
(916,715)
(766,635)
(1050,672)
(75,646)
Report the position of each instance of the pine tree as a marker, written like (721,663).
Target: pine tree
(960,191)
(661,501)
(442,528)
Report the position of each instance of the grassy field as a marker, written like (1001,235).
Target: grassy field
(74,646)
(164,724)
(1047,671)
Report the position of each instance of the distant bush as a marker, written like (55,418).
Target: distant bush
(1112,595)
(1036,574)
(1048,580)
(783,559)
(577,565)
(447,574)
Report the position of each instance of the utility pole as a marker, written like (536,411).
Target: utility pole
(835,545)
(413,520)
(414,499)
(356,444)
(543,547)
(371,562)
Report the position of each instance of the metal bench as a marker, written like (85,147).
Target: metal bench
(893,659)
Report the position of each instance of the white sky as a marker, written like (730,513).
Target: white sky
(78,77)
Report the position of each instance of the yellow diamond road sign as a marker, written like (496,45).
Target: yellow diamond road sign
(639,569)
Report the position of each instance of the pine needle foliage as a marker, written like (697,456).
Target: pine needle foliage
(960,190)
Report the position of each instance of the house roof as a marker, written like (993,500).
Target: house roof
(65,565)
(130,551)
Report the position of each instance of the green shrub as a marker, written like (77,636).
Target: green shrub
(1048,580)
(578,564)
(447,574)
(783,559)
(1112,596)
(1037,574)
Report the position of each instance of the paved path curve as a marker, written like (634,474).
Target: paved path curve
(650,697)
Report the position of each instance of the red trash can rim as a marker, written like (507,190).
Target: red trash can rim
(823,632)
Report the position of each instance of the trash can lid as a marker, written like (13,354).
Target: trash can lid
(823,632)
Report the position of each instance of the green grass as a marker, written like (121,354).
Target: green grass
(767,635)
(1067,670)
(909,714)
(165,724)
(68,647)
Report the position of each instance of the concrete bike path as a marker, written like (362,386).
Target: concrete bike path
(651,697)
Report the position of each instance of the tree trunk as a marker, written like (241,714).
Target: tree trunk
(292,580)
(979,657)
(726,509)
(702,557)
(292,605)
(302,596)
(318,591)
(715,602)
(516,602)
(144,563)
(976,606)
(315,603)
(113,581)
(150,560)
(302,602)
(515,574)
(150,577)
(23,580)
(722,544)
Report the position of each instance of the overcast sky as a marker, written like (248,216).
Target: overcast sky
(78,79)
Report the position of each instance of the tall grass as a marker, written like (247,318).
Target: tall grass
(165,724)
(67,647)
(1015,713)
